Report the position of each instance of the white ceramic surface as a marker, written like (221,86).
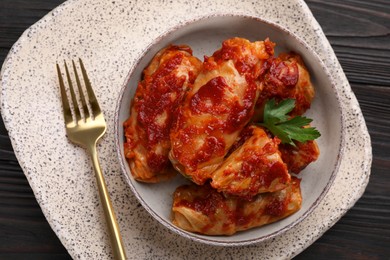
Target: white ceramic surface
(110,36)
(204,36)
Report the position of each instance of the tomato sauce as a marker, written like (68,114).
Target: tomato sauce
(209,97)
(157,162)
(213,146)
(156,104)
(240,114)
(245,134)
(297,158)
(276,207)
(257,168)
(284,74)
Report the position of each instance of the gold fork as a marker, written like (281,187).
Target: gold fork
(85,128)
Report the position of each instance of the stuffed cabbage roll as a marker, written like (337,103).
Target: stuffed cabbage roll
(218,107)
(254,167)
(286,77)
(204,210)
(154,109)
(300,156)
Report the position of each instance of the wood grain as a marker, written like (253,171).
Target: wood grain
(359,32)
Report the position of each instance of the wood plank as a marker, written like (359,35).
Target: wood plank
(359,32)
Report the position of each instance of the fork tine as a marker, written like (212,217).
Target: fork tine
(76,107)
(65,103)
(82,97)
(91,95)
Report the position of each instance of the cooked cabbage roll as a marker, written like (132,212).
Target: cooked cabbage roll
(204,210)
(269,207)
(218,107)
(300,156)
(154,109)
(255,167)
(286,77)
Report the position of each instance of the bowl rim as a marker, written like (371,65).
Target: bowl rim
(123,161)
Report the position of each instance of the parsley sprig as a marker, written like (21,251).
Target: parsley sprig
(277,121)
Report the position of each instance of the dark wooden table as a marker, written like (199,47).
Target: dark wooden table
(359,31)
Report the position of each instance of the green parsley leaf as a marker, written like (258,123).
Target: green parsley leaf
(275,113)
(287,129)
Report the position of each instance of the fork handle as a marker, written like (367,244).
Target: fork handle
(112,224)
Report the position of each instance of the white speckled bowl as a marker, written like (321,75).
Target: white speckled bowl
(205,35)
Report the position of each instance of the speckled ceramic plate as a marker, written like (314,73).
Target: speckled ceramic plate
(110,36)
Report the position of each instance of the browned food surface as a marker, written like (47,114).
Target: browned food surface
(286,77)
(154,109)
(254,167)
(300,156)
(218,107)
(202,209)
